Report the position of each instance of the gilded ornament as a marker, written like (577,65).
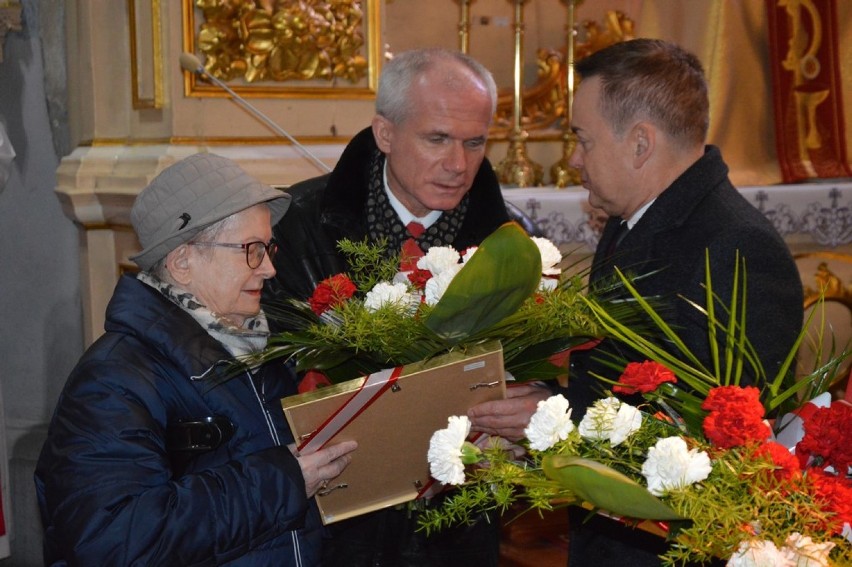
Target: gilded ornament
(276,40)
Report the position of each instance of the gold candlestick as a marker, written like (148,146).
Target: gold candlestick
(561,173)
(464,25)
(517,169)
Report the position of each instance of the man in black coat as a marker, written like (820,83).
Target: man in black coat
(423,161)
(334,206)
(641,115)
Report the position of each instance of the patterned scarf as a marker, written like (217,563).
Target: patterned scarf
(383,222)
(239,341)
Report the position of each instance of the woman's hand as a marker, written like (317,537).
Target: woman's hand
(324,465)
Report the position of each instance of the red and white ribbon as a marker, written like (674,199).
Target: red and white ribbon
(373,387)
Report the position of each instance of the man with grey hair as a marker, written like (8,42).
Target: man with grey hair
(422,160)
(417,178)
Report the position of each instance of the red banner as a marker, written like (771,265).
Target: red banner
(806,89)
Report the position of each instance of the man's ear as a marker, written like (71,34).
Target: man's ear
(383,133)
(643,138)
(177,263)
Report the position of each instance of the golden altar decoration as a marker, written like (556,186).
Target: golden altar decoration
(546,105)
(315,48)
(544,101)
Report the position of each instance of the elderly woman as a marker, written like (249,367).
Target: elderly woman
(159,452)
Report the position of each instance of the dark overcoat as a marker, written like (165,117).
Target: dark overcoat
(701,215)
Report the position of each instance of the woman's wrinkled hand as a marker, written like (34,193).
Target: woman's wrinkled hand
(324,465)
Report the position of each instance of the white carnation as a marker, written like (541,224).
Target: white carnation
(597,422)
(627,420)
(445,451)
(804,552)
(671,464)
(550,423)
(385,294)
(547,284)
(439,259)
(468,252)
(438,284)
(611,420)
(550,256)
(759,554)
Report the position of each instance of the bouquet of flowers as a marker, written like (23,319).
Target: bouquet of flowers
(734,493)
(700,465)
(510,288)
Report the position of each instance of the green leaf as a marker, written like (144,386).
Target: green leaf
(504,271)
(606,488)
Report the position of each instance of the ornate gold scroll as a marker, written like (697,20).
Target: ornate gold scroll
(285,48)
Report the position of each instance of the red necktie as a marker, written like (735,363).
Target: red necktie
(411,252)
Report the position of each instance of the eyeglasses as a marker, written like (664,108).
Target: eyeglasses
(254,250)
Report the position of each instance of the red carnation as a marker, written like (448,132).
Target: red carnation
(827,438)
(781,457)
(331,292)
(735,418)
(835,495)
(643,377)
(728,429)
(418,278)
(745,399)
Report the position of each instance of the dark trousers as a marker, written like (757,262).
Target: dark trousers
(390,538)
(601,542)
(598,541)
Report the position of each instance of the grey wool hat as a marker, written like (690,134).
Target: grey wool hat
(191,195)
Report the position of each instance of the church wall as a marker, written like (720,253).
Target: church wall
(729,37)
(40,306)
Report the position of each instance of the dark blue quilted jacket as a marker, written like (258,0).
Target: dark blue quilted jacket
(109,491)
